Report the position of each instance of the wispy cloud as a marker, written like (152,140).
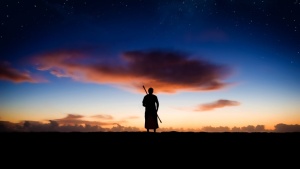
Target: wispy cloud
(133,117)
(217,104)
(107,117)
(165,71)
(8,73)
(73,119)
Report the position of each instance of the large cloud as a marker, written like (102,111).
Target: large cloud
(165,71)
(217,104)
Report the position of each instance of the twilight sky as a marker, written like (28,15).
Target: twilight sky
(212,63)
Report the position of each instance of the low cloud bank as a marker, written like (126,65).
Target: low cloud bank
(54,126)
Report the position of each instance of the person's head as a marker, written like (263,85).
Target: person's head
(150,90)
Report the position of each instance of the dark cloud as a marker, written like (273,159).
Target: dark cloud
(7,72)
(166,71)
(285,127)
(217,104)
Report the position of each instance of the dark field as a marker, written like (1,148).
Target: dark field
(188,149)
(142,138)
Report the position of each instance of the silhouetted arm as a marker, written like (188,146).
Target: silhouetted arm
(144,102)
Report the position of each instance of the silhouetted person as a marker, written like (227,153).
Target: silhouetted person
(151,104)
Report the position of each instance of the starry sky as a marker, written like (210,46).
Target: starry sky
(215,65)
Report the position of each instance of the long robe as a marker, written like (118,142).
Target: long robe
(150,102)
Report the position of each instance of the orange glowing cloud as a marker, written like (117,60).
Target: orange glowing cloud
(11,74)
(107,117)
(165,71)
(217,104)
(73,119)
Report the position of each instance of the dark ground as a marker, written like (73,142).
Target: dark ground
(141,149)
(160,138)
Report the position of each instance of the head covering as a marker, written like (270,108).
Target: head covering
(150,90)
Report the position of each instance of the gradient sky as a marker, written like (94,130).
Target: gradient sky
(214,63)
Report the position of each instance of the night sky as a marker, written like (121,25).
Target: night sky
(212,63)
